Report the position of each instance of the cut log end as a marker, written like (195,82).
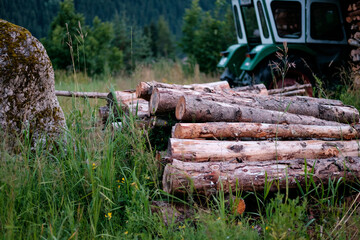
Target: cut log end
(142,90)
(180,108)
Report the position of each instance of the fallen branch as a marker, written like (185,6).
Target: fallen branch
(81,94)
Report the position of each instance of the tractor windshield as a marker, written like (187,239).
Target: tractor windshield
(287,16)
(251,25)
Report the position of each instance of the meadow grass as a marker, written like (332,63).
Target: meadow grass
(100,185)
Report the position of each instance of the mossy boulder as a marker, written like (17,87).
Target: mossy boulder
(27,87)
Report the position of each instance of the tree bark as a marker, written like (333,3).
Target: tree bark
(299,92)
(164,100)
(81,94)
(138,107)
(249,151)
(144,89)
(327,109)
(211,177)
(260,130)
(288,89)
(254,89)
(196,109)
(120,97)
(128,102)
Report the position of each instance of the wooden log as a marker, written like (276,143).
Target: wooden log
(288,89)
(138,107)
(128,102)
(120,97)
(300,92)
(164,100)
(254,89)
(354,13)
(260,130)
(331,110)
(144,89)
(248,151)
(211,177)
(81,94)
(196,109)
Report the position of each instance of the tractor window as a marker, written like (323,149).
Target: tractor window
(287,16)
(251,26)
(262,20)
(237,22)
(325,22)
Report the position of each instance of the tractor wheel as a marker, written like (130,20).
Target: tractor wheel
(228,76)
(300,73)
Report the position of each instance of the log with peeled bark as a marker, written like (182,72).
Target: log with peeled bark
(144,89)
(196,109)
(81,94)
(260,130)
(288,89)
(211,177)
(248,151)
(254,89)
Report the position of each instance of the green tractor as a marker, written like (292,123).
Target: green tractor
(313,31)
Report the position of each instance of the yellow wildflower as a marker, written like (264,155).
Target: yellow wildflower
(126,232)
(267,228)
(182,227)
(109,215)
(93,166)
(219,218)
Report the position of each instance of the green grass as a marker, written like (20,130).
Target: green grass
(99,185)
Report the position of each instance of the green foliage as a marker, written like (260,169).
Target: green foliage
(62,34)
(100,54)
(205,34)
(285,219)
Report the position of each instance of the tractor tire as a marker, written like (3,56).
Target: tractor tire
(300,72)
(229,77)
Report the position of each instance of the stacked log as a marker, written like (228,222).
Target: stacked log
(232,139)
(228,138)
(353,19)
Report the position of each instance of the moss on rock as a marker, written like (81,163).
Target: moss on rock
(27,92)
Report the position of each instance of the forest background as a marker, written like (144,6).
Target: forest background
(112,37)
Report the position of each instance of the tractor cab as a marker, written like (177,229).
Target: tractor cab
(312,29)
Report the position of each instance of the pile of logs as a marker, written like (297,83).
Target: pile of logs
(240,138)
(353,19)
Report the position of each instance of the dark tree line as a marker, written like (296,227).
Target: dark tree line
(96,46)
(36,15)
